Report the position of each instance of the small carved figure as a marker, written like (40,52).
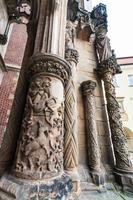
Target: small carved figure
(70,34)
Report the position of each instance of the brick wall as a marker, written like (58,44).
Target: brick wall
(7,90)
(13,60)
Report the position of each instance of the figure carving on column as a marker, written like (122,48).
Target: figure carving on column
(70,51)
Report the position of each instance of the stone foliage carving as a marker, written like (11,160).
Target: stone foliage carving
(88,88)
(49,64)
(40,148)
(118,136)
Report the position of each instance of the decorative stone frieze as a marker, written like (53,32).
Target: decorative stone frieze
(88,88)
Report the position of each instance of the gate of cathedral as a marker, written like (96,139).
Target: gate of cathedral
(68,139)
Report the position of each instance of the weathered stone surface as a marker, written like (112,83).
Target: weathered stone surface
(97,173)
(16,189)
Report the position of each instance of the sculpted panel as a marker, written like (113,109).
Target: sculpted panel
(40,148)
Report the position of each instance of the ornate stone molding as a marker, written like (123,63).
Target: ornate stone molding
(88,88)
(50,64)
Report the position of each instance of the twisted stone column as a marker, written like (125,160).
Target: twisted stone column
(88,88)
(39,154)
(118,136)
(71,137)
(123,163)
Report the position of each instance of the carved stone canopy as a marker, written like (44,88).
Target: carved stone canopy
(49,64)
(88,87)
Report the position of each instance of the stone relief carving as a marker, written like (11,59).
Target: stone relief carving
(70,34)
(51,65)
(40,151)
(70,52)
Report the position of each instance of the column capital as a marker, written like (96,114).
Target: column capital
(88,87)
(49,64)
(107,66)
(72,55)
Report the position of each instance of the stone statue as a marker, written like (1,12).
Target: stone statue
(70,34)
(102,42)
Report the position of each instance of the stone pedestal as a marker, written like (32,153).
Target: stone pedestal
(96,170)
(12,188)
(123,169)
(38,166)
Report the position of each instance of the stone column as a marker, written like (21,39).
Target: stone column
(39,154)
(71,137)
(96,171)
(123,167)
(50,37)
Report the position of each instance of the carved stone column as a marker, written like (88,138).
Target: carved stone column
(71,137)
(88,88)
(39,154)
(123,168)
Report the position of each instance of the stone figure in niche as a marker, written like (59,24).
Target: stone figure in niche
(70,34)
(102,42)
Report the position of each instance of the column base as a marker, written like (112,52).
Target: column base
(125,179)
(12,188)
(75,181)
(98,178)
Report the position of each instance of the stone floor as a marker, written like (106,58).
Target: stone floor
(109,195)
(112,193)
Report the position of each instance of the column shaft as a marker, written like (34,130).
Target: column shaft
(118,136)
(91,128)
(40,147)
(94,164)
